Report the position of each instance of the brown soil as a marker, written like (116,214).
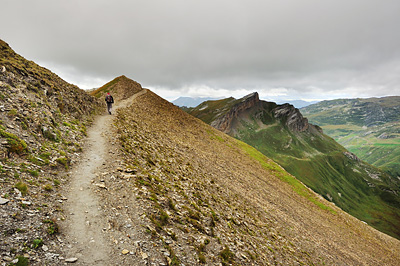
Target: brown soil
(86,227)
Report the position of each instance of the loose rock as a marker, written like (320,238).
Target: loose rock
(125,251)
(3,201)
(71,260)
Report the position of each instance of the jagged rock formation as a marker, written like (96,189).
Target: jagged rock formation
(224,122)
(287,113)
(294,120)
(283,134)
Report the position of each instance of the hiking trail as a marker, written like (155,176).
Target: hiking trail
(85,225)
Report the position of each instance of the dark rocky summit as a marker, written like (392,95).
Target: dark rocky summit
(223,123)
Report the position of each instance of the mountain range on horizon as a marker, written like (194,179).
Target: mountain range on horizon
(171,189)
(195,101)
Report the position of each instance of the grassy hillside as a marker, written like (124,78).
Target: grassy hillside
(322,164)
(370,128)
(212,199)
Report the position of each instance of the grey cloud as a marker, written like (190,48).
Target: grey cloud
(306,46)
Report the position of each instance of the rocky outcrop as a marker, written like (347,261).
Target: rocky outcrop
(223,123)
(351,156)
(292,117)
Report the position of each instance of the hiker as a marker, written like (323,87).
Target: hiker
(109,101)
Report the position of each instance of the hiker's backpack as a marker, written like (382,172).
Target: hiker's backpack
(109,99)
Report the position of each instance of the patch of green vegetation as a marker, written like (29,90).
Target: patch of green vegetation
(22,261)
(48,187)
(174,259)
(104,89)
(22,187)
(69,125)
(206,110)
(33,173)
(56,182)
(15,144)
(53,227)
(227,256)
(63,161)
(13,112)
(36,243)
(202,258)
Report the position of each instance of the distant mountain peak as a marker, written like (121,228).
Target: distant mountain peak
(294,119)
(224,122)
(251,97)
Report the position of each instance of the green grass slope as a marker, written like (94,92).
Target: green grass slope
(322,164)
(370,128)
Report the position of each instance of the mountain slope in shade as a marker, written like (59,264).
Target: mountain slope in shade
(213,199)
(283,134)
(370,128)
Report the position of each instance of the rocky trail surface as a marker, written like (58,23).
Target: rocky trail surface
(86,225)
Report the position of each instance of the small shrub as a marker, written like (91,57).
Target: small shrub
(174,237)
(38,242)
(63,161)
(48,187)
(13,112)
(56,182)
(33,173)
(52,230)
(22,261)
(53,227)
(171,204)
(15,144)
(227,256)
(202,258)
(164,218)
(22,187)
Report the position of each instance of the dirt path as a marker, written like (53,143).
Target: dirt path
(85,224)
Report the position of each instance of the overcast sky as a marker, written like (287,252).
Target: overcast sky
(294,49)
